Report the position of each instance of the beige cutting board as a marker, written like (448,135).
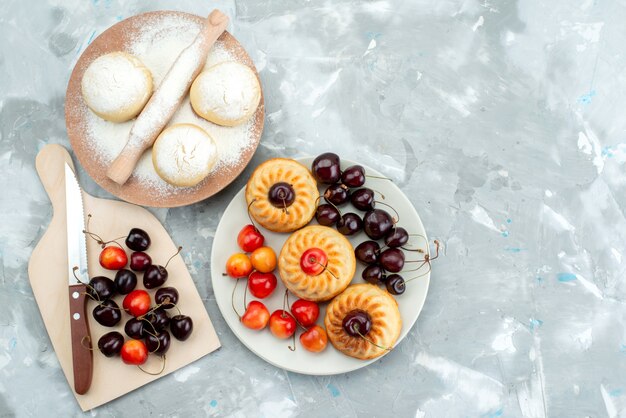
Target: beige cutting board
(47,270)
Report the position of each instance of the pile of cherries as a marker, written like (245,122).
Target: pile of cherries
(258,263)
(347,186)
(147,327)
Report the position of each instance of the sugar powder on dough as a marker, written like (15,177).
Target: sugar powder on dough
(184,154)
(158,45)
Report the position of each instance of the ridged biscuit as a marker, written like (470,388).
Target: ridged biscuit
(386,321)
(279,219)
(340,266)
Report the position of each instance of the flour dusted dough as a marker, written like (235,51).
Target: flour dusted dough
(184,154)
(226,94)
(116,86)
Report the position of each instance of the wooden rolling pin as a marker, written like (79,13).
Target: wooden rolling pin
(167,97)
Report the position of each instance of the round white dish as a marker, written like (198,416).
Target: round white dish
(276,351)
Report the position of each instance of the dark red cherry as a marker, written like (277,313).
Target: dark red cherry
(337,194)
(357,323)
(327,215)
(397,237)
(363,199)
(111,343)
(134,328)
(353,176)
(138,240)
(101,288)
(140,261)
(167,297)
(158,343)
(367,252)
(181,327)
(125,281)
(281,195)
(154,276)
(349,224)
(373,274)
(158,318)
(326,168)
(395,284)
(107,313)
(377,223)
(392,259)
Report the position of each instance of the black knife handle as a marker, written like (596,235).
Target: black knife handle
(82,356)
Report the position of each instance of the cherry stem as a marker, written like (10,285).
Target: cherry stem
(285,304)
(424,262)
(292,347)
(97,298)
(163,358)
(330,203)
(100,241)
(326,269)
(179,312)
(285,206)
(177,252)
(421,275)
(299,324)
(74,269)
(419,250)
(355,328)
(82,342)
(144,319)
(395,220)
(245,298)
(376,191)
(232,299)
(378,177)
(427,260)
(250,216)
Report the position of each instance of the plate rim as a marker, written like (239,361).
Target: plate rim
(361,363)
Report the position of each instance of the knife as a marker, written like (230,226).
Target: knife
(82,357)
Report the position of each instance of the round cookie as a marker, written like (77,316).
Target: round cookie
(116,86)
(281,195)
(372,302)
(184,154)
(226,94)
(331,278)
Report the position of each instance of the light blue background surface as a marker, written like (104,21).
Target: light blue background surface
(502,121)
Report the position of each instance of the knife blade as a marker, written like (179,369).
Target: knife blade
(82,357)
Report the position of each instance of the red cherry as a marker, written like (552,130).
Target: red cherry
(249,238)
(113,258)
(256,316)
(261,285)
(134,352)
(314,339)
(140,261)
(313,261)
(137,302)
(282,324)
(305,312)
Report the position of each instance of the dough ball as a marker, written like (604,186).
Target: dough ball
(184,154)
(226,94)
(116,86)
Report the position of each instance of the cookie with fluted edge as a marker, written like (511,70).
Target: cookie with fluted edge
(282,217)
(386,321)
(339,270)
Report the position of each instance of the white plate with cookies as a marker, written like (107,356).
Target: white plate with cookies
(278,352)
(113,80)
